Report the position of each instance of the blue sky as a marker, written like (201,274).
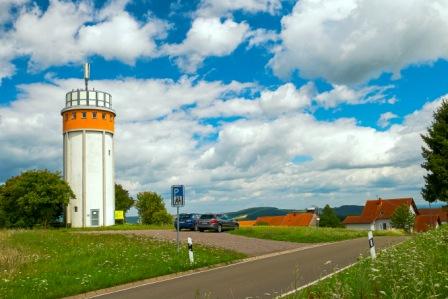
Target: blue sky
(248,103)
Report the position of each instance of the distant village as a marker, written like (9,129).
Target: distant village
(376,215)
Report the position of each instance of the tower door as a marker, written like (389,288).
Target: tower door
(94,217)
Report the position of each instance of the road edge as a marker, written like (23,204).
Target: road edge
(332,274)
(159,279)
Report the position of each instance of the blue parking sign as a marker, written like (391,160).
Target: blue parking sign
(177,195)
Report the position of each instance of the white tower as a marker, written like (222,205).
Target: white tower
(88,130)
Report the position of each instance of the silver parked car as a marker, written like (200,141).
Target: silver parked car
(216,222)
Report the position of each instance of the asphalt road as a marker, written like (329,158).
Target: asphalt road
(262,278)
(249,246)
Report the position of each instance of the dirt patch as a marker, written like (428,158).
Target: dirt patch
(249,246)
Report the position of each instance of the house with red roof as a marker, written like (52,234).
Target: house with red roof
(377,214)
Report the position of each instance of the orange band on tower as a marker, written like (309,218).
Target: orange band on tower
(88,119)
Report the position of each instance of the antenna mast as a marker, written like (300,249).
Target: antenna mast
(86,75)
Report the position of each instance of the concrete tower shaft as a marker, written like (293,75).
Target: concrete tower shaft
(88,130)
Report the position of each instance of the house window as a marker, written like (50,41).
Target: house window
(73,115)
(384,226)
(93,114)
(104,116)
(83,114)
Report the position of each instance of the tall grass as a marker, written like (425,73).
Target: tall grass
(417,268)
(306,234)
(52,264)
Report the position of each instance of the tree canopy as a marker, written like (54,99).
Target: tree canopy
(123,201)
(33,197)
(328,218)
(435,154)
(403,218)
(151,208)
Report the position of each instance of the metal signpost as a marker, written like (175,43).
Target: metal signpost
(177,200)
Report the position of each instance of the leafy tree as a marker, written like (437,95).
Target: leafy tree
(403,218)
(328,218)
(123,202)
(435,154)
(151,208)
(34,197)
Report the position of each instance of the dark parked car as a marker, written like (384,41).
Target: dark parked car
(216,222)
(187,221)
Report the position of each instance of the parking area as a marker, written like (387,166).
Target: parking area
(249,246)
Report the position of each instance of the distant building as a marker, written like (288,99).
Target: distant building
(377,214)
(441,212)
(424,223)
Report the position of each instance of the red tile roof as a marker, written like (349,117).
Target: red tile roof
(292,219)
(426,222)
(379,209)
(298,219)
(271,220)
(442,213)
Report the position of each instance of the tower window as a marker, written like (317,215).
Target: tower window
(66,116)
(73,115)
(93,114)
(104,115)
(84,115)
(76,209)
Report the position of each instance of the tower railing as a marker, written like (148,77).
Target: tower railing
(93,98)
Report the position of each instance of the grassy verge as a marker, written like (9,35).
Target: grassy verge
(52,264)
(417,268)
(126,226)
(306,234)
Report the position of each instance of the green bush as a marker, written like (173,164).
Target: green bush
(151,208)
(35,197)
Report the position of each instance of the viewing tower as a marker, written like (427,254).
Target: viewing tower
(88,132)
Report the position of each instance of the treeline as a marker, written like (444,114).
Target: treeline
(37,198)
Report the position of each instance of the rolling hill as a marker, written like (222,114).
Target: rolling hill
(253,213)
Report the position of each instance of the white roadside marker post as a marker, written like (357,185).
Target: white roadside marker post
(371,245)
(190,250)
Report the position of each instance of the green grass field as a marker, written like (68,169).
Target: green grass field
(126,226)
(417,268)
(52,263)
(306,234)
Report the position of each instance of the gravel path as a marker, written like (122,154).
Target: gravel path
(249,246)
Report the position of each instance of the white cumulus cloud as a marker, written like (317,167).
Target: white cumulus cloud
(350,41)
(385,119)
(207,37)
(218,8)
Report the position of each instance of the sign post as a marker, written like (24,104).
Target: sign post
(177,200)
(190,250)
(371,245)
